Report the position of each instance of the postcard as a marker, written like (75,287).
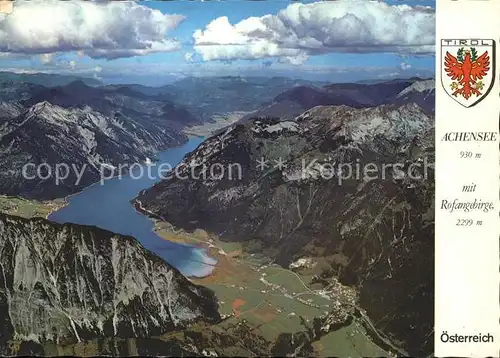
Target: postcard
(249,178)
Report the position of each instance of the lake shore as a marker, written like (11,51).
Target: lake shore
(225,254)
(118,211)
(67,198)
(207,255)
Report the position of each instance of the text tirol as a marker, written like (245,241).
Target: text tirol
(469,42)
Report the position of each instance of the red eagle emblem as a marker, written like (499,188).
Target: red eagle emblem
(466,71)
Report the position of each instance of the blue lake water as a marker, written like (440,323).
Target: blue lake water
(108,206)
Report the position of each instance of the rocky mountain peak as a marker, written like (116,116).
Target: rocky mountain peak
(40,106)
(419,86)
(50,113)
(362,125)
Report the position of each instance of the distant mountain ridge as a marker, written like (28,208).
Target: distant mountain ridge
(45,79)
(401,79)
(116,99)
(293,102)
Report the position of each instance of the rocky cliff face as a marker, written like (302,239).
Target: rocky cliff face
(69,283)
(296,197)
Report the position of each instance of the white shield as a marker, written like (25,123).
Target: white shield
(467,69)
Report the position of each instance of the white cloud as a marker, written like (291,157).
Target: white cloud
(391,74)
(46,58)
(62,64)
(405,66)
(97,70)
(98,29)
(302,30)
(188,56)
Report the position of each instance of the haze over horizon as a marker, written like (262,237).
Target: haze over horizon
(155,43)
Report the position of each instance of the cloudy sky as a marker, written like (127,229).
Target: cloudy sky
(154,42)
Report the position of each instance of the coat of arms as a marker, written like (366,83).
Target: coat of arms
(467,69)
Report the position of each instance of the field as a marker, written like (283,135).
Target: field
(271,301)
(218,122)
(28,208)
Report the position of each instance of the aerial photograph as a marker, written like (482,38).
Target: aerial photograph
(217,178)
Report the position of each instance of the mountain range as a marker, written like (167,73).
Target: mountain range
(94,127)
(293,102)
(44,79)
(300,198)
(294,199)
